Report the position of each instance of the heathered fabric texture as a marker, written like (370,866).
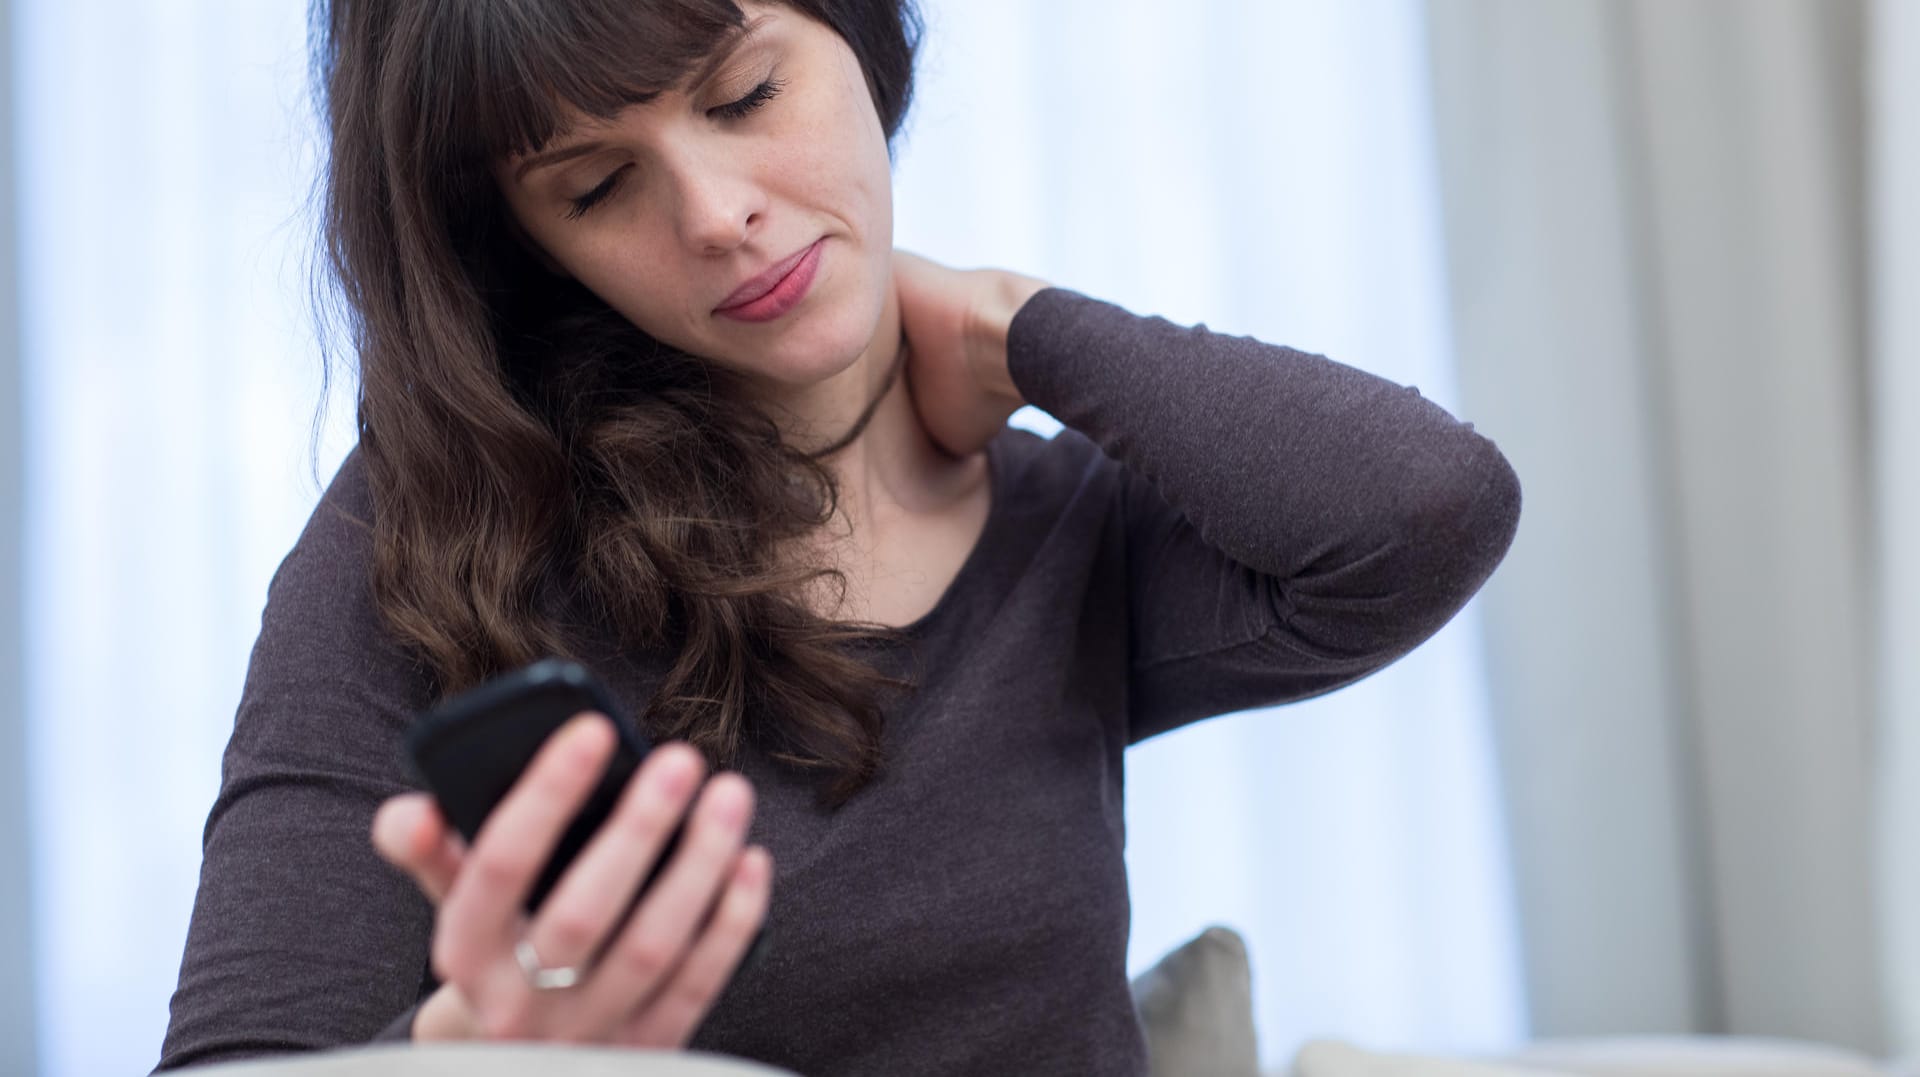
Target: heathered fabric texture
(1225,524)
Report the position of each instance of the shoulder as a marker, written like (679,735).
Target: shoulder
(321,621)
(328,685)
(329,568)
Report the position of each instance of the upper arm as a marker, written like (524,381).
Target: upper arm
(1211,635)
(302,937)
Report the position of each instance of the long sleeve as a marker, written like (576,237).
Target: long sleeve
(301,936)
(1292,524)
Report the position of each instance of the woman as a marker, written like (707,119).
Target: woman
(644,382)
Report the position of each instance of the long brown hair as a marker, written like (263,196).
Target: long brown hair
(542,472)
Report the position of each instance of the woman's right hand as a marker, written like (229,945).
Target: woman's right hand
(658,972)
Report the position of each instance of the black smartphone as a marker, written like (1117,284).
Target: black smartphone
(471,749)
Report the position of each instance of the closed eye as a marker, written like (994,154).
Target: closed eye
(761,94)
(599,194)
(734,110)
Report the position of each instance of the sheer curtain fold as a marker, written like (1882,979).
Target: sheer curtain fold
(1656,237)
(168,388)
(18,1004)
(1894,67)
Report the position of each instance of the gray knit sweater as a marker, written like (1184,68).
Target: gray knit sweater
(1225,524)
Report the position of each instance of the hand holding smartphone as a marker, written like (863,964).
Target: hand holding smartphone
(669,880)
(473,747)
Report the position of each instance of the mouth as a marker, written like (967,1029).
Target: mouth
(776,290)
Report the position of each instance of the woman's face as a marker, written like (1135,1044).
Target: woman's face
(668,209)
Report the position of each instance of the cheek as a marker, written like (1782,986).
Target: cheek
(837,158)
(644,291)
(842,171)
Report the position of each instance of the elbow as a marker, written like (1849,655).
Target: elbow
(1385,596)
(1480,512)
(1458,531)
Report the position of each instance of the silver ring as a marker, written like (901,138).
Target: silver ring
(542,978)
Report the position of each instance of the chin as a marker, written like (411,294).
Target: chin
(813,353)
(798,369)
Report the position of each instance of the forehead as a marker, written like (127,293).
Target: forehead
(495,79)
(754,32)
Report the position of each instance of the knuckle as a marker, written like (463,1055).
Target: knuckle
(717,839)
(647,957)
(649,819)
(496,869)
(573,932)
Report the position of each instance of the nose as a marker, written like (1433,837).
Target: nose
(720,202)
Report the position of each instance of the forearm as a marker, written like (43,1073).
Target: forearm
(1336,483)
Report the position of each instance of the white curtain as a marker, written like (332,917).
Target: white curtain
(17,1002)
(1265,167)
(1657,242)
(1894,247)
(169,383)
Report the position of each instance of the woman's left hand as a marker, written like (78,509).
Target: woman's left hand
(956,324)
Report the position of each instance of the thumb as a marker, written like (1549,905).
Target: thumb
(410,833)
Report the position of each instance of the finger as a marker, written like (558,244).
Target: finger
(656,939)
(670,1018)
(596,891)
(915,277)
(481,916)
(410,833)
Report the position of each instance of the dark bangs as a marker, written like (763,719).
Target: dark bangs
(446,88)
(494,78)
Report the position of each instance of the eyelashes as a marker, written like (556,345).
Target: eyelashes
(734,110)
(761,94)
(594,197)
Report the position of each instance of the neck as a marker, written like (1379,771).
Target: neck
(862,424)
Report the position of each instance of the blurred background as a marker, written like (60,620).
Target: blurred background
(1659,778)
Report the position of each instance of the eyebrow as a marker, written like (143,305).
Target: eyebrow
(707,69)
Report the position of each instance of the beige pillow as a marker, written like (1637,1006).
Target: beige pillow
(1197,1008)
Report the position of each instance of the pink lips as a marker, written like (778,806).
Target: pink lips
(776,291)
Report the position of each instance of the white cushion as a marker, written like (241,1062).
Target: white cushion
(1331,1058)
(1697,1056)
(494,1060)
(1616,1056)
